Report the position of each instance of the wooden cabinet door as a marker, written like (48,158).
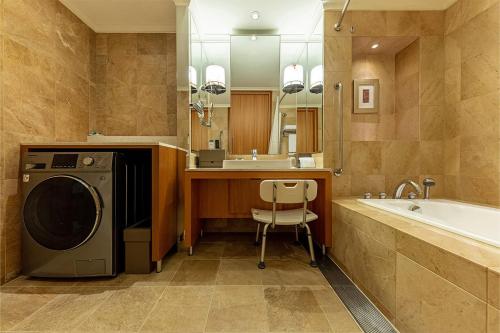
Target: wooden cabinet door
(307,130)
(250,121)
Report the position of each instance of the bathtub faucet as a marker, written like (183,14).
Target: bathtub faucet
(401,187)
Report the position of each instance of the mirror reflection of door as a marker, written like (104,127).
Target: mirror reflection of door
(250,121)
(307,130)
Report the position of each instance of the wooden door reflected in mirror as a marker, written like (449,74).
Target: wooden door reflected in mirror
(250,121)
(307,130)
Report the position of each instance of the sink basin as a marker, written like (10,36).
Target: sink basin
(258,164)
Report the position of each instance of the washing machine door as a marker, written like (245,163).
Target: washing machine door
(62,212)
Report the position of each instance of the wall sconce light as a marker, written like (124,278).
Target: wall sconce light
(215,80)
(293,79)
(316,80)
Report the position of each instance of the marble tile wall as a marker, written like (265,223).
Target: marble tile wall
(472,113)
(403,140)
(46,79)
(136,87)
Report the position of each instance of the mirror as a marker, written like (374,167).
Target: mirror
(255,65)
(272,99)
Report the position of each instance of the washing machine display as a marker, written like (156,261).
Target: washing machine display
(62,212)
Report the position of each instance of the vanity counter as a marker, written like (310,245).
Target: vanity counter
(231,193)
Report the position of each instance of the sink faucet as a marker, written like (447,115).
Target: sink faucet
(254,154)
(401,187)
(428,183)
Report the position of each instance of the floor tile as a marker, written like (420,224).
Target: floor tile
(208,251)
(240,250)
(196,272)
(180,309)
(239,272)
(124,310)
(338,316)
(237,309)
(291,272)
(17,304)
(294,309)
(66,311)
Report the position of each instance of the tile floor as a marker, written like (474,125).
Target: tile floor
(219,289)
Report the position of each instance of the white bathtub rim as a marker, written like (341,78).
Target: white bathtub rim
(435,222)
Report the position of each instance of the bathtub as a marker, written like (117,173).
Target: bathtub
(476,222)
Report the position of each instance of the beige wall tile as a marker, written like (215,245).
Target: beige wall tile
(361,184)
(451,156)
(432,122)
(369,23)
(453,17)
(402,23)
(432,70)
(479,156)
(493,320)
(428,303)
(399,157)
(431,157)
(480,116)
(471,8)
(366,158)
(494,287)
(376,274)
(431,23)
(470,277)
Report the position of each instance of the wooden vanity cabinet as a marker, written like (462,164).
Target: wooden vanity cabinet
(219,193)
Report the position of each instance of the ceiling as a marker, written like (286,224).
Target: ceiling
(283,17)
(159,15)
(130,16)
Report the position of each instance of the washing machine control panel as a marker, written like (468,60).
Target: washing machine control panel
(98,161)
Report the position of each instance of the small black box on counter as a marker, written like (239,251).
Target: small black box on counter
(211,158)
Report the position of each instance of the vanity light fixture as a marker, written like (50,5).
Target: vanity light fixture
(316,80)
(215,80)
(255,15)
(193,80)
(375,45)
(293,79)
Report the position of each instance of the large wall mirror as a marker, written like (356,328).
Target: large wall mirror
(256,88)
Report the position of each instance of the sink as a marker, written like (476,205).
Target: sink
(258,164)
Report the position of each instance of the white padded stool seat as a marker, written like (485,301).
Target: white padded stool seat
(283,217)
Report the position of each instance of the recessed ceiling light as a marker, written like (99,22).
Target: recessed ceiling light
(253,37)
(255,15)
(376,45)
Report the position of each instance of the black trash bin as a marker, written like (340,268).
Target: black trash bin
(138,249)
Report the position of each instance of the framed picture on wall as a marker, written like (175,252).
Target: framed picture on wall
(366,96)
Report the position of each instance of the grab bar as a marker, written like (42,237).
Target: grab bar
(338,25)
(340,88)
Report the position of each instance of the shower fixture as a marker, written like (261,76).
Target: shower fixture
(338,25)
(200,110)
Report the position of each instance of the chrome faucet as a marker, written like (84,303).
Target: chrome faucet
(428,183)
(401,187)
(254,154)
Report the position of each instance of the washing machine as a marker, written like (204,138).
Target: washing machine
(72,214)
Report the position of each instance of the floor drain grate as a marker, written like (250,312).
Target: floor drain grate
(364,312)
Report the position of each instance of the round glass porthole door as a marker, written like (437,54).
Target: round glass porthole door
(62,212)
